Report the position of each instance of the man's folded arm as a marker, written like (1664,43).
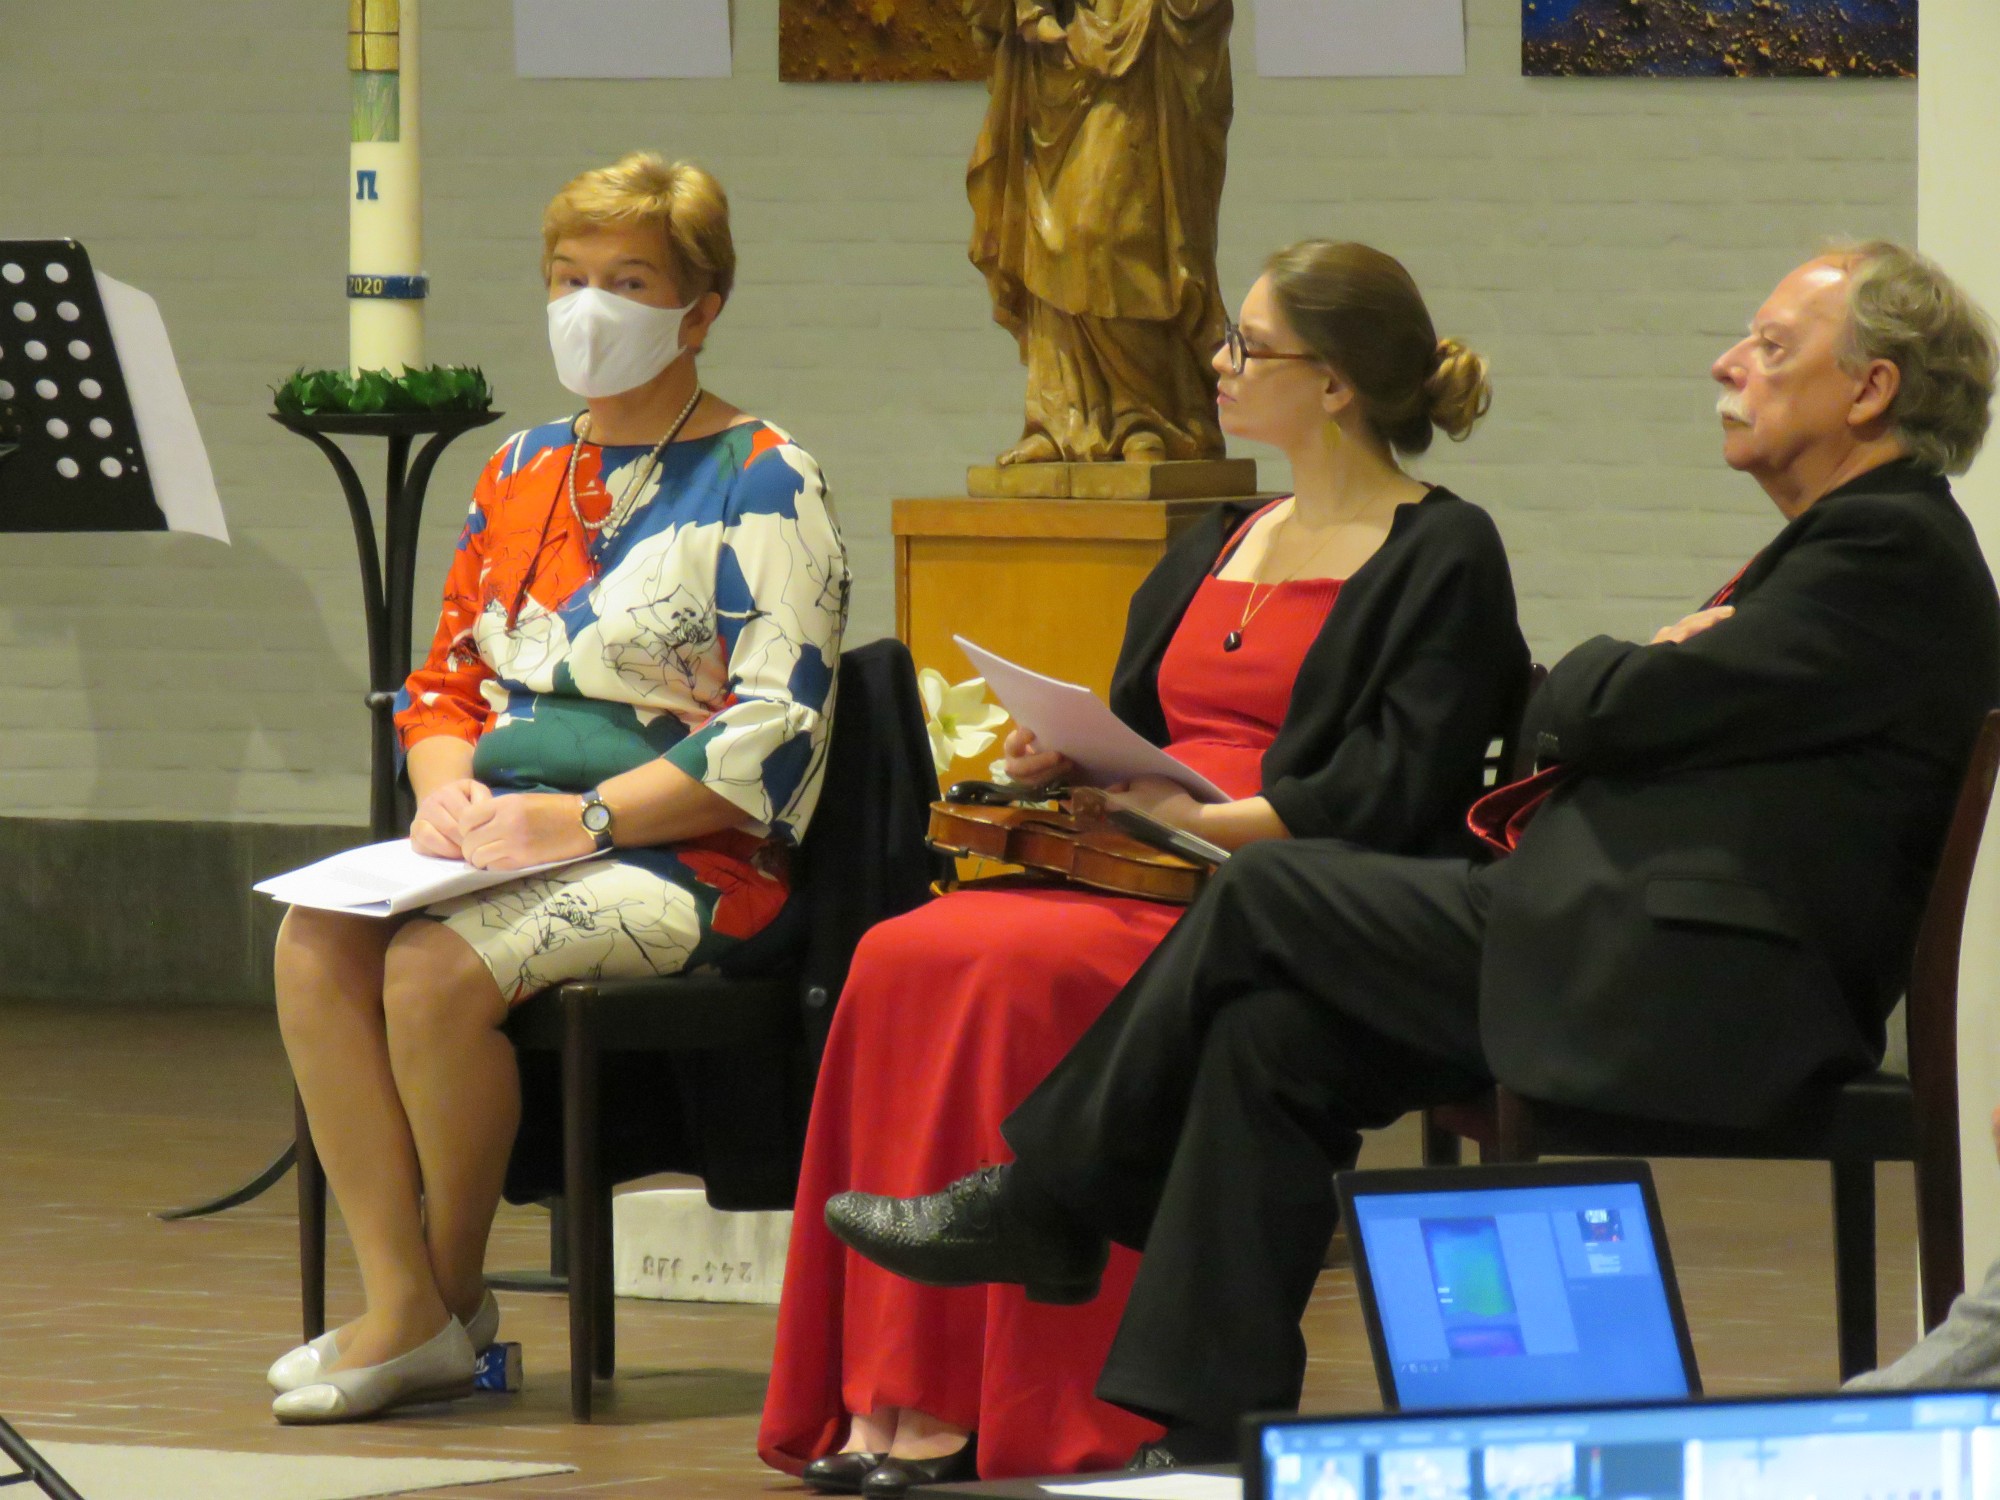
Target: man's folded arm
(1830,648)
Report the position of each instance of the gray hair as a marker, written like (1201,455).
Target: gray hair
(1903,308)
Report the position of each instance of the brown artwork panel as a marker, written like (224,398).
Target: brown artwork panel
(877,41)
(1719,38)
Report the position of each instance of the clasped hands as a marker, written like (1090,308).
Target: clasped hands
(462,819)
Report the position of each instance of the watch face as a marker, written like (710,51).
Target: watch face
(596,818)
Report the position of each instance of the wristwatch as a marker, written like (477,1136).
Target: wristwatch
(596,819)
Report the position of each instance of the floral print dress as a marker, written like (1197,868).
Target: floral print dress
(695,618)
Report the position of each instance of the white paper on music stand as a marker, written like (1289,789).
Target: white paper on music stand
(1158,1487)
(1079,724)
(1360,38)
(621,38)
(183,483)
(381,880)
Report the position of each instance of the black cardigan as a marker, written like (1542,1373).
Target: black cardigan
(1420,664)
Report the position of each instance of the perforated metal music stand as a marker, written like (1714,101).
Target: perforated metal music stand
(34,1468)
(70,454)
(70,460)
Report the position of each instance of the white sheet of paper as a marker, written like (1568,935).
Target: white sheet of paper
(1075,721)
(1360,38)
(176,458)
(621,38)
(1159,1487)
(380,880)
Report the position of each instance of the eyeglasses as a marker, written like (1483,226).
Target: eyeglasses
(1241,353)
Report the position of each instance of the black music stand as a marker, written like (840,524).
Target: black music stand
(70,455)
(34,1468)
(71,459)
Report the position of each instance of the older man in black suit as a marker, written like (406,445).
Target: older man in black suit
(1707,916)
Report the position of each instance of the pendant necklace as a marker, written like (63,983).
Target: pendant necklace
(1234,640)
(628,499)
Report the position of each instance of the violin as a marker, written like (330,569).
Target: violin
(1074,842)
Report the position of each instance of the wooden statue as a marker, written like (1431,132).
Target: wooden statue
(1095,189)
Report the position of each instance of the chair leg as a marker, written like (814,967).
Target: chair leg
(582,1197)
(1441,1147)
(1854,1264)
(603,1297)
(312,1226)
(1940,1238)
(1513,1131)
(558,1240)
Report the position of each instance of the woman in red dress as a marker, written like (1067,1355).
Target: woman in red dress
(1337,663)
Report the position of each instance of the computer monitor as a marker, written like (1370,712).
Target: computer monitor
(1909,1445)
(1491,1287)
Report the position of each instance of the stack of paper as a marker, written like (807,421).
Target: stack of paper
(383,880)
(1074,721)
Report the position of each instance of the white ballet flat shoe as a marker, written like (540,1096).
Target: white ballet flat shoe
(434,1371)
(301,1367)
(303,1364)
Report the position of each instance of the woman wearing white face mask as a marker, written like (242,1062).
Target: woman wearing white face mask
(635,658)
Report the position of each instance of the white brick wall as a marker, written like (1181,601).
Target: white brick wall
(1600,241)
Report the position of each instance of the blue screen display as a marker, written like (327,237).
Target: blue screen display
(1885,1447)
(1520,1296)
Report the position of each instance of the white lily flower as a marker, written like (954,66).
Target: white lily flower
(960,720)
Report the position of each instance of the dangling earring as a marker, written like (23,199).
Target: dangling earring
(1333,435)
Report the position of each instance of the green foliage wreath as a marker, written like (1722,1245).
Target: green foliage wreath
(310,393)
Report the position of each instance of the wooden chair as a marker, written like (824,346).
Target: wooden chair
(863,858)
(1876,1117)
(1507,759)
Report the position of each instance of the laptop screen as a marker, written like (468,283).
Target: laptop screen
(1518,1286)
(1917,1444)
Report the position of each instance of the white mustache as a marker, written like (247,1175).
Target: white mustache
(1729,406)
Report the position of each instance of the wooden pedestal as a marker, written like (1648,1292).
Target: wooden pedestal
(1042,582)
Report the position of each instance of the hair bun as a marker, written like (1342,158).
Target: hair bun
(1458,391)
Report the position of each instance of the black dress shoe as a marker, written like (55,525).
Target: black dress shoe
(1185,1447)
(977,1230)
(895,1475)
(840,1473)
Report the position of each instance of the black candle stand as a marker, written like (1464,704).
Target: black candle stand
(388,572)
(388,584)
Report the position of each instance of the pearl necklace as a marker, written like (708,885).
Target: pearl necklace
(628,499)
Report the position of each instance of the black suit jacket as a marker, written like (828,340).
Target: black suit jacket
(1420,663)
(1716,911)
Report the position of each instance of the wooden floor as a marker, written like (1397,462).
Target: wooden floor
(115,1327)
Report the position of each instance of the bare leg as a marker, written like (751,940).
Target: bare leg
(872,1433)
(921,1435)
(903,1432)
(329,987)
(461,1090)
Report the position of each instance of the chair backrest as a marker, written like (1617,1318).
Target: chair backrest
(1933,993)
(1507,759)
(864,857)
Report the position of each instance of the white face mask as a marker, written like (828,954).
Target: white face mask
(606,345)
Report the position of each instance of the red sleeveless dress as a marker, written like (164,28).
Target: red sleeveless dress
(951,1015)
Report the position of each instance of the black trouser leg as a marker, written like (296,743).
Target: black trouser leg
(1313,989)
(1283,1091)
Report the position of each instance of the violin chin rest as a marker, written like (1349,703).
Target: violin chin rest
(987,794)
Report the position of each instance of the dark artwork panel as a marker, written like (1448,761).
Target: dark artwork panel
(1719,38)
(877,41)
